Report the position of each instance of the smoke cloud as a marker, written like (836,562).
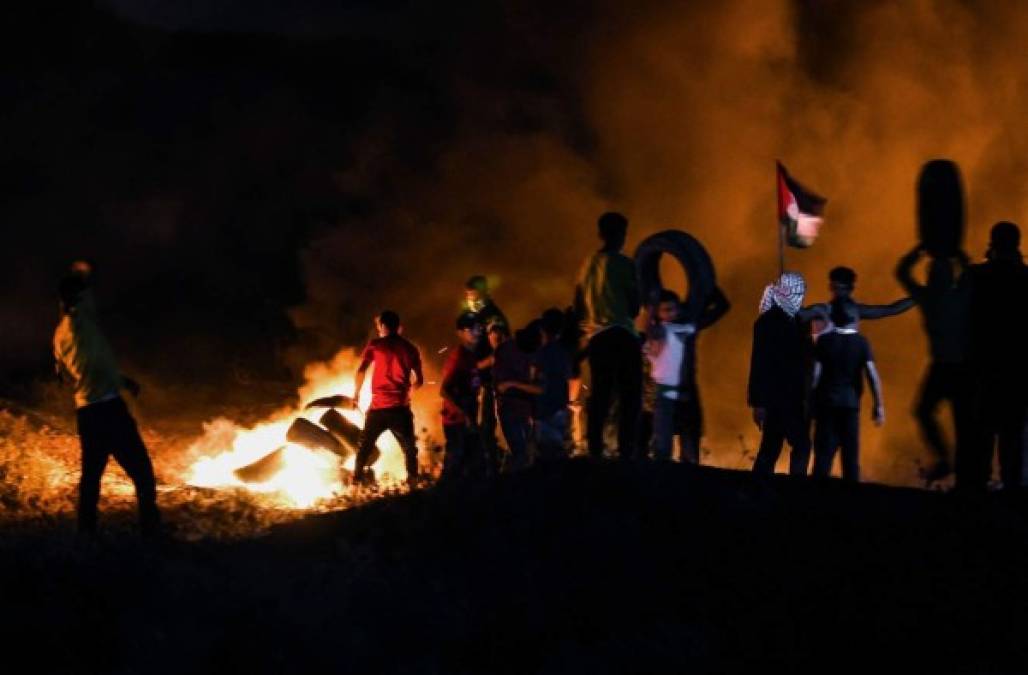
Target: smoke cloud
(490,142)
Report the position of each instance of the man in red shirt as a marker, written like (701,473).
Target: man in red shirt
(395,358)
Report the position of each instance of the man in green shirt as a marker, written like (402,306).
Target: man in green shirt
(106,427)
(607,302)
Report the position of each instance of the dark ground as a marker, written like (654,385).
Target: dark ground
(578,568)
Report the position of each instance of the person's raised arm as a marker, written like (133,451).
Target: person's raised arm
(905,276)
(717,306)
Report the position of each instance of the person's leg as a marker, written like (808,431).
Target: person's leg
(487,431)
(663,428)
(401,423)
(602,369)
(130,452)
(550,435)
(797,431)
(515,431)
(974,458)
(771,440)
(824,443)
(453,460)
(645,441)
(94,439)
(691,427)
(1011,440)
(933,392)
(629,384)
(375,422)
(848,432)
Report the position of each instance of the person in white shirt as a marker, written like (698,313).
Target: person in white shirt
(666,348)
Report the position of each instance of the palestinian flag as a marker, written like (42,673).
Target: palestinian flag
(799,210)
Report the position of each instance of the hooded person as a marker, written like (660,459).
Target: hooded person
(779,366)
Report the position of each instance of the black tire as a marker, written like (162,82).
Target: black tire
(308,434)
(940,208)
(695,260)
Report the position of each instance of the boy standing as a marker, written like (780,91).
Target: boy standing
(552,372)
(666,350)
(842,356)
(395,359)
(513,405)
(460,388)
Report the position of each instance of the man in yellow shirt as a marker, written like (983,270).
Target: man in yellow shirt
(105,425)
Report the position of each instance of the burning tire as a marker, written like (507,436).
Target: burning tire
(693,257)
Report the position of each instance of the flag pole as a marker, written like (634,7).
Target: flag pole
(781,249)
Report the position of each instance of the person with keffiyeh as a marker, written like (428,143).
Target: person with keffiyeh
(778,383)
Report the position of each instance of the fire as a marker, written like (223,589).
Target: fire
(305,476)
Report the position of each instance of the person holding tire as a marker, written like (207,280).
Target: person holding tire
(607,302)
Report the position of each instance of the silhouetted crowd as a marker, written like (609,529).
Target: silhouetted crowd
(808,366)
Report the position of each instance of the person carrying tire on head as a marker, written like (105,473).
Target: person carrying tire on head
(779,367)
(607,302)
(106,427)
(395,359)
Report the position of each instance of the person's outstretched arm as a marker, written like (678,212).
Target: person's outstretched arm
(885,311)
(717,306)
(419,374)
(905,276)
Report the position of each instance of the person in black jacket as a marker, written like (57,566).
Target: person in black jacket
(778,377)
(999,361)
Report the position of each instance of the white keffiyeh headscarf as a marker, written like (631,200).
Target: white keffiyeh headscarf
(787,293)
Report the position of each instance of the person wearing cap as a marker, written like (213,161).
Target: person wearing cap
(84,357)
(459,387)
(842,357)
(998,362)
(778,381)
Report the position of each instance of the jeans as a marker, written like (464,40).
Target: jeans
(550,433)
(615,364)
(398,420)
(837,428)
(107,429)
(463,458)
(517,429)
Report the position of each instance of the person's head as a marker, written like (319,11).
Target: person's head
(528,338)
(667,306)
(844,313)
(387,323)
(71,290)
(468,330)
(841,282)
(1004,241)
(498,333)
(613,228)
(476,292)
(552,324)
